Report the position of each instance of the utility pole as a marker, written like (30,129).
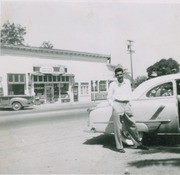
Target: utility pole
(130,51)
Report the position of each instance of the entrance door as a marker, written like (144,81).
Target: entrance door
(49,93)
(75,92)
(56,92)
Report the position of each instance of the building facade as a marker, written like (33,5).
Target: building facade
(54,75)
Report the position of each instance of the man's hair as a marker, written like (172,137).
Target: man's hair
(118,70)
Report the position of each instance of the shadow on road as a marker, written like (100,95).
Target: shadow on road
(159,144)
(10,109)
(107,141)
(156,162)
(162,144)
(152,140)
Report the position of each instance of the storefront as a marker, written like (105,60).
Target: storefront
(53,75)
(51,84)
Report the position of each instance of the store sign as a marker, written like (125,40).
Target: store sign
(46,69)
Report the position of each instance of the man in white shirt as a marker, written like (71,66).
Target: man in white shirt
(119,96)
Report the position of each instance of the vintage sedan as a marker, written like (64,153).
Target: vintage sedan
(156,107)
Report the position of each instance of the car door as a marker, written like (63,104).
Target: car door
(5,101)
(178,99)
(158,103)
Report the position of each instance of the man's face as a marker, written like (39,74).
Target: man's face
(120,76)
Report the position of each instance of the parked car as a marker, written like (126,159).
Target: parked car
(155,105)
(16,102)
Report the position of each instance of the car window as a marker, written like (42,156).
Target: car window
(165,89)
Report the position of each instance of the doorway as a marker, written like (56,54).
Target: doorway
(49,93)
(75,92)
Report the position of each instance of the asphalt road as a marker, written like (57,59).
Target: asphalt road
(53,142)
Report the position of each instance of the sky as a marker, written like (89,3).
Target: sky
(102,27)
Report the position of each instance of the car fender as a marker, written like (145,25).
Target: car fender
(150,125)
(23,101)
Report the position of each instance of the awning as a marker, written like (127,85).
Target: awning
(53,73)
(56,74)
(37,74)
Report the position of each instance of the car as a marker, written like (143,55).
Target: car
(16,102)
(155,105)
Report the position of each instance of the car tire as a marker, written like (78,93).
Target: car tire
(16,106)
(126,138)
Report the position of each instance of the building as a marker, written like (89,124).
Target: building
(53,74)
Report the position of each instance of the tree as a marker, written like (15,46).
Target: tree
(163,67)
(139,80)
(47,44)
(12,34)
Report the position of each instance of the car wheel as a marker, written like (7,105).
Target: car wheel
(16,106)
(126,137)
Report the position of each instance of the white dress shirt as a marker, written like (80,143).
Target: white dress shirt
(119,91)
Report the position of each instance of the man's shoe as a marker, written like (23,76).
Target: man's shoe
(142,147)
(121,150)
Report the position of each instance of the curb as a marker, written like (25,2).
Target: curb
(67,105)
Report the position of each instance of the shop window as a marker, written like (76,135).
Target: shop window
(54,78)
(10,78)
(162,90)
(67,78)
(58,78)
(16,84)
(84,88)
(22,78)
(63,78)
(39,89)
(56,69)
(64,90)
(102,86)
(16,76)
(50,78)
(35,78)
(45,78)
(40,78)
(36,69)
(16,89)
(94,86)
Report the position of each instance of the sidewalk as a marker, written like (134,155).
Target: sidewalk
(70,105)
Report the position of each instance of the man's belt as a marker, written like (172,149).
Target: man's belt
(121,101)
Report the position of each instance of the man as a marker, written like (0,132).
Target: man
(119,95)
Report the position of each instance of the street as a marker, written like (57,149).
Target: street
(53,141)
